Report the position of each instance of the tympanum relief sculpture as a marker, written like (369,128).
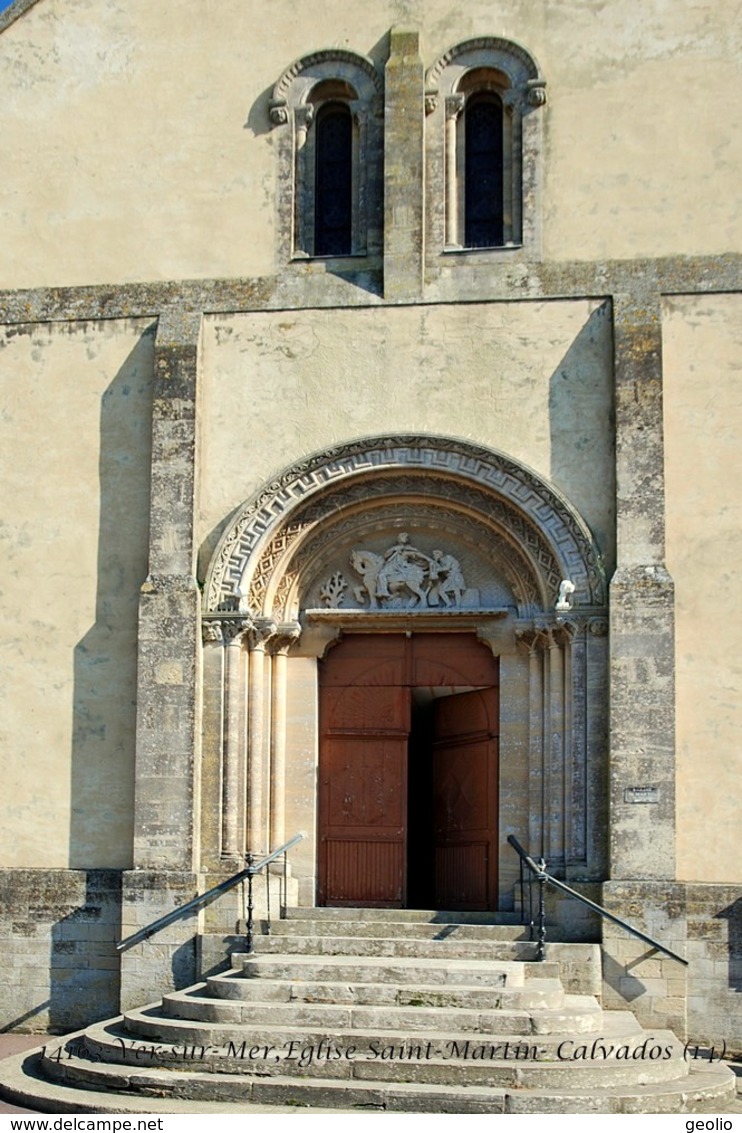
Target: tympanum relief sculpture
(402,577)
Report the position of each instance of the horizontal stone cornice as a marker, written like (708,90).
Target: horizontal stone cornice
(179,304)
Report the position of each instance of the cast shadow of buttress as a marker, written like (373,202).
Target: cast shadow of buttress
(105,659)
(733,916)
(355,270)
(582,428)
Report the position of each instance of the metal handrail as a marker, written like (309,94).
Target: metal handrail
(211,895)
(539,871)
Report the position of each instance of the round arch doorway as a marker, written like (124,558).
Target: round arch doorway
(408,772)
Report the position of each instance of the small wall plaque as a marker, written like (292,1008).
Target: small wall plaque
(641,794)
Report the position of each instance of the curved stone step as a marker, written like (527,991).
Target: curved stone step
(234,986)
(577,1013)
(706,1088)
(429,1056)
(151,1024)
(464,1061)
(533,994)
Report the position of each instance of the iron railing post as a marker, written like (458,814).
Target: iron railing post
(268,898)
(541,945)
(531,925)
(206,898)
(521,881)
(249,926)
(538,869)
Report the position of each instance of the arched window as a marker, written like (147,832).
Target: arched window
(484,203)
(333,181)
(484,149)
(329,106)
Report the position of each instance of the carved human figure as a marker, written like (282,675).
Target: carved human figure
(445,572)
(397,562)
(389,576)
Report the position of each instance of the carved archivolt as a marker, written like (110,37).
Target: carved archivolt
(518,65)
(261,553)
(325,521)
(294,85)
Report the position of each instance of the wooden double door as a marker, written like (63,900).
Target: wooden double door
(408,772)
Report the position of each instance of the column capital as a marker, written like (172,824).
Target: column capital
(236,629)
(454,105)
(285,635)
(547,633)
(259,633)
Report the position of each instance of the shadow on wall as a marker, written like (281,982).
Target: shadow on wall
(67,973)
(733,916)
(102,786)
(84,964)
(581,421)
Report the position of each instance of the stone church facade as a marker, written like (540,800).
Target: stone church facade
(381,514)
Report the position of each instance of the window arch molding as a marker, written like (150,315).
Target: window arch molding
(330,84)
(501,73)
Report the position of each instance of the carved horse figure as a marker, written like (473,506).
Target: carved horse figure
(398,575)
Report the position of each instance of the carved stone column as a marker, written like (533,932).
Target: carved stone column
(286,635)
(555,800)
(553,807)
(212,742)
(303,220)
(233,774)
(454,105)
(576,727)
(258,636)
(532,639)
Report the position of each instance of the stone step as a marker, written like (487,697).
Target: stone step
(433,1060)
(153,1023)
(396,946)
(706,1089)
(413,1012)
(402,970)
(402,930)
(234,985)
(401,916)
(509,1012)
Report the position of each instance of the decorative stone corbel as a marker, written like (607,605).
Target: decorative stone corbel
(431,101)
(211,631)
(278,112)
(536,92)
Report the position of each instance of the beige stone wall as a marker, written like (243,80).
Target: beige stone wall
(530,379)
(703,422)
(150,124)
(75,441)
